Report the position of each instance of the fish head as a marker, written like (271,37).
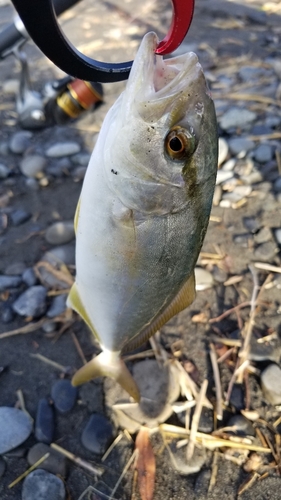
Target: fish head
(161,137)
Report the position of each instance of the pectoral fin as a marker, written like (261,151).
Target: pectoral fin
(108,364)
(183,299)
(74,301)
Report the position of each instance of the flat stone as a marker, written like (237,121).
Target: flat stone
(265,351)
(2,467)
(44,422)
(15,269)
(223,151)
(217,195)
(29,277)
(263,153)
(206,422)
(15,427)
(253,178)
(263,235)
(252,224)
(270,384)
(241,426)
(4,171)
(219,274)
(32,165)
(50,281)
(277,234)
(223,176)
(7,313)
(203,279)
(7,282)
(81,159)
(56,463)
(98,434)
(58,306)
(79,173)
(266,251)
(64,253)
(277,185)
(237,397)
(60,233)
(63,149)
(41,485)
(19,216)
(237,118)
(64,395)
(229,165)
(20,141)
(32,302)
(239,145)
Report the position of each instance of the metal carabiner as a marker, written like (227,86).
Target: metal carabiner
(40,21)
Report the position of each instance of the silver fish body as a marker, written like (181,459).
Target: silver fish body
(144,206)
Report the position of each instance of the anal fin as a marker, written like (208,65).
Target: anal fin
(74,301)
(182,300)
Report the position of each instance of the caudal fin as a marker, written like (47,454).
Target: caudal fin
(108,364)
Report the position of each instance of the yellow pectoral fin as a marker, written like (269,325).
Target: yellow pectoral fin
(76,216)
(74,301)
(113,366)
(182,300)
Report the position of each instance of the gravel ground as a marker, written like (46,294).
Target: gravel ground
(238,46)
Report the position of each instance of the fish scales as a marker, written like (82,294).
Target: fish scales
(144,208)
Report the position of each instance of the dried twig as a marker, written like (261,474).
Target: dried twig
(214,471)
(124,471)
(78,348)
(97,471)
(31,327)
(34,466)
(248,483)
(230,311)
(267,267)
(191,384)
(217,380)
(61,368)
(195,420)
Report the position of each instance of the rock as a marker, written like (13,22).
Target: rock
(206,422)
(217,195)
(15,427)
(266,251)
(237,397)
(7,313)
(20,141)
(81,159)
(223,151)
(15,269)
(32,184)
(253,178)
(7,282)
(11,86)
(237,118)
(203,279)
(49,326)
(263,153)
(277,234)
(229,165)
(219,274)
(4,171)
(78,173)
(44,422)
(64,395)
(265,351)
(32,165)
(239,146)
(277,185)
(29,277)
(63,149)
(159,389)
(49,280)
(2,467)
(55,463)
(179,462)
(98,434)
(41,485)
(223,176)
(60,233)
(252,224)
(270,384)
(19,217)
(263,235)
(64,253)
(32,302)
(58,306)
(243,240)
(241,426)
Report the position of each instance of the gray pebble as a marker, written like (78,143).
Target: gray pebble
(44,423)
(32,165)
(49,326)
(19,216)
(4,148)
(252,224)
(50,281)
(263,153)
(32,184)
(7,282)
(4,171)
(32,302)
(78,173)
(15,269)
(237,397)
(223,175)
(266,251)
(81,159)
(253,178)
(2,467)
(58,306)
(277,185)
(217,195)
(64,253)
(219,274)
(7,313)
(20,142)
(63,149)
(64,395)
(55,463)
(241,426)
(263,235)
(238,145)
(29,277)
(15,427)
(60,233)
(203,279)
(179,462)
(237,118)
(243,240)
(206,422)
(223,151)
(277,234)
(266,351)
(270,383)
(41,485)
(98,434)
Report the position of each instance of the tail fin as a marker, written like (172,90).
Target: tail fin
(108,364)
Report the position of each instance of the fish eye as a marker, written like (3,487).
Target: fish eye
(180,143)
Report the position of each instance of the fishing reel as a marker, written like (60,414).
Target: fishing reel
(59,102)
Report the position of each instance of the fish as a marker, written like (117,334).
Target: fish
(144,208)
